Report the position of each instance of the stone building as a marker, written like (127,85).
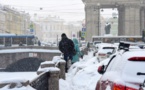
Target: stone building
(25,23)
(16,22)
(51,28)
(131,20)
(2,20)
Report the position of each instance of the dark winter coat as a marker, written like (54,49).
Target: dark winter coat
(39,43)
(66,46)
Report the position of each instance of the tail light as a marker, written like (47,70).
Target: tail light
(97,86)
(121,87)
(118,87)
(100,54)
(137,59)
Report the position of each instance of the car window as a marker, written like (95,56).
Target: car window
(133,67)
(97,42)
(110,61)
(91,44)
(114,64)
(108,49)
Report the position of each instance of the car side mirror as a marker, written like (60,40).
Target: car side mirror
(101,69)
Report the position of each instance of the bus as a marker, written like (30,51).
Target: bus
(8,40)
(116,39)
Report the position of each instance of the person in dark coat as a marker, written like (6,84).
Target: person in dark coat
(39,43)
(66,46)
(20,44)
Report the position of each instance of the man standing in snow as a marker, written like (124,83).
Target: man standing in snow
(66,46)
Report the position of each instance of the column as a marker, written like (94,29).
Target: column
(92,13)
(61,66)
(53,81)
(132,20)
(121,12)
(142,19)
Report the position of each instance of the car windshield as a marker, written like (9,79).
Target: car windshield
(91,44)
(97,42)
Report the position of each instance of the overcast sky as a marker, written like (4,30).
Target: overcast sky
(66,9)
(69,10)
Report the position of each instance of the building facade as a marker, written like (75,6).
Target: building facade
(51,28)
(2,21)
(14,22)
(131,20)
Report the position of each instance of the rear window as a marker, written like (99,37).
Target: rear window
(108,49)
(97,42)
(133,67)
(91,44)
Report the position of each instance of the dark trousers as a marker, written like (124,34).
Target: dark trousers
(66,58)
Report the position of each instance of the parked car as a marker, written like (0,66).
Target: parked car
(83,43)
(90,46)
(104,50)
(124,71)
(96,42)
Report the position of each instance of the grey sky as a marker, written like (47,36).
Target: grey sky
(67,9)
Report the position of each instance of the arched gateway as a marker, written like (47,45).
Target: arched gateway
(131,14)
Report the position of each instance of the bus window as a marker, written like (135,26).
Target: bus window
(23,40)
(2,41)
(17,40)
(7,41)
(30,41)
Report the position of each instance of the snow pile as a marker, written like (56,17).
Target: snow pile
(82,75)
(15,84)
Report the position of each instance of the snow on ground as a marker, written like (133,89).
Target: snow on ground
(18,88)
(29,50)
(17,75)
(82,75)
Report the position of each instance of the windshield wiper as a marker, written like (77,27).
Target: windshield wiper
(140,73)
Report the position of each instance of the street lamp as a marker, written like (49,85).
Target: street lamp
(98,5)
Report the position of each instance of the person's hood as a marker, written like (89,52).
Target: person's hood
(75,41)
(64,38)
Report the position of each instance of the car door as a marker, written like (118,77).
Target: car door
(105,83)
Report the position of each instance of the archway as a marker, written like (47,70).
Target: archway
(24,65)
(130,21)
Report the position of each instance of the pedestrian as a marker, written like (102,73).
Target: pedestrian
(20,44)
(78,52)
(66,46)
(39,43)
(88,46)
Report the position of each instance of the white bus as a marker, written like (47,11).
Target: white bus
(114,39)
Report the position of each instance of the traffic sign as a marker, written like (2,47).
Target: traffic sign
(83,34)
(83,29)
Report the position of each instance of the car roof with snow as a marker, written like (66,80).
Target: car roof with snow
(129,64)
(106,45)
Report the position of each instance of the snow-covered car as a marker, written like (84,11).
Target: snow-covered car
(96,42)
(83,43)
(124,71)
(104,50)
